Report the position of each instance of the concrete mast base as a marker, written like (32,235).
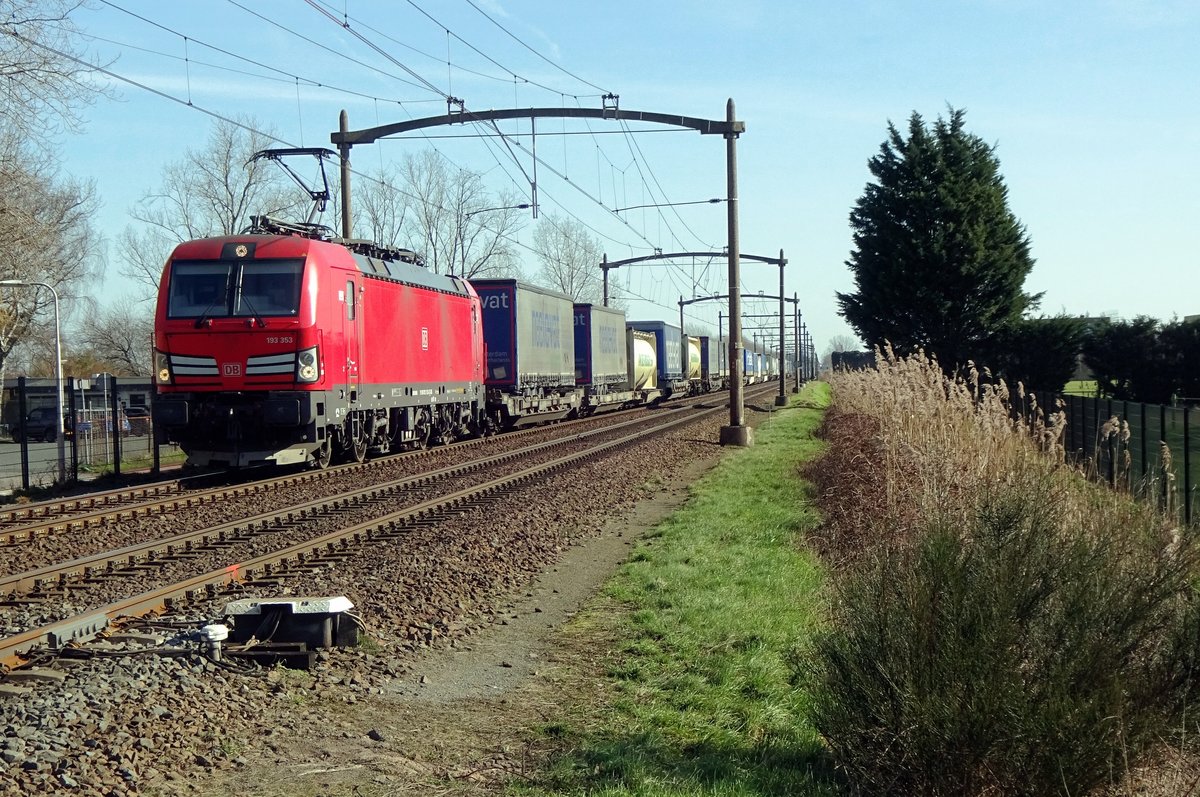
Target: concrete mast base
(742,436)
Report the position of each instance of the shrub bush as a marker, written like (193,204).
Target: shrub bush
(1022,654)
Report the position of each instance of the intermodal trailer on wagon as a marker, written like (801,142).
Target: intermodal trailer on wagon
(602,367)
(669,354)
(530,340)
(712,364)
(750,366)
(601,358)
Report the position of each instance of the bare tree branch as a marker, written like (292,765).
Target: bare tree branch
(41,83)
(570,258)
(445,215)
(212,191)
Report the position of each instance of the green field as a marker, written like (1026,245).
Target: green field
(1080,387)
(705,618)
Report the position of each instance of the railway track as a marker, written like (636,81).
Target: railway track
(144,705)
(32,522)
(276,544)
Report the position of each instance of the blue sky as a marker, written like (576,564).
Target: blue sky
(1093,105)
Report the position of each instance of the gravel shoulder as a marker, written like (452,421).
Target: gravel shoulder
(461,718)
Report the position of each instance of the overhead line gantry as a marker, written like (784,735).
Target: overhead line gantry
(736,433)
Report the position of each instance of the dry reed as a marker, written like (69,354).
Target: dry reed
(912,449)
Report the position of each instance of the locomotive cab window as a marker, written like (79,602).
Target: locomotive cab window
(221,288)
(268,288)
(198,289)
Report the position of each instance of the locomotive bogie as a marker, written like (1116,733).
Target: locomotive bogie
(282,428)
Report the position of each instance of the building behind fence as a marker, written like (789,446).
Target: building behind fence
(109,422)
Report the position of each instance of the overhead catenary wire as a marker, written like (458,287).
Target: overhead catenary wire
(299,81)
(280,76)
(464,111)
(423,83)
(511,73)
(518,40)
(354,32)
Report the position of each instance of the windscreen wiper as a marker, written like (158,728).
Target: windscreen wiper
(204,316)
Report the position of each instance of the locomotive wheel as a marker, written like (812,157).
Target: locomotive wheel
(323,455)
(359,450)
(423,430)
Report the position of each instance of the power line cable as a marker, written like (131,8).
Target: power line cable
(503,138)
(514,75)
(354,32)
(423,84)
(633,144)
(284,75)
(532,50)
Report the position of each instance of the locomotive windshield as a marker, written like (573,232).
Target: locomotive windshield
(223,288)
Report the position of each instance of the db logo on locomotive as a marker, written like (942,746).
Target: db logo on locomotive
(231,369)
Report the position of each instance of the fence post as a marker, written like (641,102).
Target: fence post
(23,409)
(118,424)
(1125,448)
(1142,435)
(1187,467)
(1077,424)
(75,424)
(1112,462)
(1162,441)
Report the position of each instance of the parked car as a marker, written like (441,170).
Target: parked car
(39,424)
(137,421)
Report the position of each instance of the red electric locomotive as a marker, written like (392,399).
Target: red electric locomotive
(284,346)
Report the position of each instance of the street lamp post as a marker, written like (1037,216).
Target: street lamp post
(62,441)
(462,243)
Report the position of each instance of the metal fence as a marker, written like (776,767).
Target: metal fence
(1153,450)
(109,429)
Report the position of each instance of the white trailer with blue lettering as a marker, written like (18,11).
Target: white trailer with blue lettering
(602,368)
(530,339)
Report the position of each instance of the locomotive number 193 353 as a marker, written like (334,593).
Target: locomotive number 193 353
(281,339)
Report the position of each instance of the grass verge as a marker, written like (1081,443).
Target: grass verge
(698,695)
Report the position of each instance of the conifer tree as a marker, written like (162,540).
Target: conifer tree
(939,260)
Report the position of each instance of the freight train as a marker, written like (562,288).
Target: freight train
(285,345)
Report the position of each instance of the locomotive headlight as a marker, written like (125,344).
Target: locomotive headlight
(162,368)
(306,365)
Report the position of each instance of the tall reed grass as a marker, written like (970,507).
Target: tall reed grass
(999,625)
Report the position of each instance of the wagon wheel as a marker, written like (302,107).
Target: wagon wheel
(323,455)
